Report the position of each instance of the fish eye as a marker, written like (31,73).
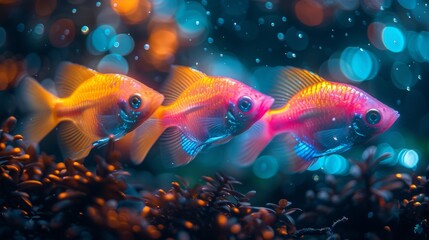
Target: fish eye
(245,104)
(135,101)
(373,116)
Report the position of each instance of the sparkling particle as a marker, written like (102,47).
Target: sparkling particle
(408,158)
(210,40)
(146,46)
(74,10)
(269,5)
(280,36)
(284,19)
(122,44)
(98,4)
(220,21)
(257,60)
(84,29)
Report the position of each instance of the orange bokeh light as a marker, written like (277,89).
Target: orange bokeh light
(133,11)
(10,71)
(309,12)
(45,7)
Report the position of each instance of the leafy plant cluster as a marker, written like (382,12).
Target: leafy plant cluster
(44,199)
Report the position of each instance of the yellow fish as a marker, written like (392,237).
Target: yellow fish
(90,108)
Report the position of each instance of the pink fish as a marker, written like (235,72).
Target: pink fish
(313,118)
(199,111)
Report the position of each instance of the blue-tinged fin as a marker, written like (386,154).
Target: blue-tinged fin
(298,155)
(246,147)
(144,138)
(282,83)
(40,104)
(73,143)
(70,76)
(180,79)
(177,149)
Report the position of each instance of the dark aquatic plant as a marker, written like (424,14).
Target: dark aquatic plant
(40,198)
(368,197)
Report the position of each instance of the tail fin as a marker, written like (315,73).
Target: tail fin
(39,102)
(246,147)
(145,137)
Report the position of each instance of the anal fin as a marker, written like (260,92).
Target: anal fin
(73,143)
(176,148)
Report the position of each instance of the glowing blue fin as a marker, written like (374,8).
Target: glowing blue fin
(176,148)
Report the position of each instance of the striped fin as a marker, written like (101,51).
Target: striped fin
(73,143)
(282,83)
(70,76)
(180,79)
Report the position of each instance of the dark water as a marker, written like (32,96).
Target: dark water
(379,46)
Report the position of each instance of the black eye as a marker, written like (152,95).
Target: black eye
(245,104)
(135,101)
(373,116)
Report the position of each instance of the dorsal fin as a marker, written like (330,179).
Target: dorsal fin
(282,83)
(69,76)
(180,79)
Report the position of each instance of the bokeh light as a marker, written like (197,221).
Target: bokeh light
(265,167)
(113,63)
(296,39)
(358,64)
(384,148)
(374,33)
(335,164)
(121,44)
(408,4)
(317,164)
(10,71)
(62,32)
(309,12)
(45,7)
(408,158)
(133,11)
(99,40)
(403,75)
(192,23)
(393,39)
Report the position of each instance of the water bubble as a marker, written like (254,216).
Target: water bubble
(74,10)
(84,29)
(210,40)
(300,35)
(291,55)
(349,19)
(265,167)
(284,19)
(146,46)
(113,63)
(269,5)
(280,36)
(261,21)
(98,4)
(273,24)
(257,60)
(32,63)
